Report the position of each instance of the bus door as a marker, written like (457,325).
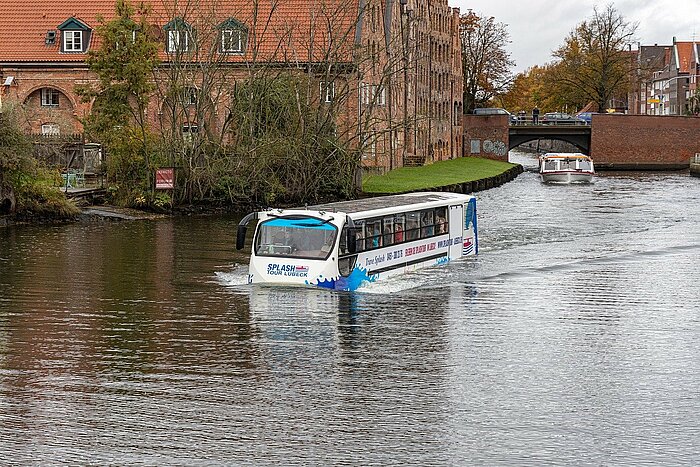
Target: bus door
(456,230)
(347,260)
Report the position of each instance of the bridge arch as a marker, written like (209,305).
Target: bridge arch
(579,136)
(582,146)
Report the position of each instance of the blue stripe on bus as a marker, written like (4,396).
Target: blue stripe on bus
(300,224)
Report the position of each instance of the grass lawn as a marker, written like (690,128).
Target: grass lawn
(451,172)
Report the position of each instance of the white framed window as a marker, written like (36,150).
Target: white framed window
(49,97)
(50,129)
(365,96)
(232,40)
(178,40)
(128,37)
(373,94)
(72,41)
(189,96)
(327,90)
(380,95)
(189,130)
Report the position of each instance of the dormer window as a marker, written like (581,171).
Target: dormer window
(178,41)
(75,36)
(231,41)
(232,37)
(126,38)
(73,41)
(179,36)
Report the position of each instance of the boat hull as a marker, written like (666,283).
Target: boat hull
(567,177)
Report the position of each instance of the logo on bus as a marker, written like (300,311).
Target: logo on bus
(288,270)
(467,246)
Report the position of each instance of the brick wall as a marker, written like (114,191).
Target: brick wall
(644,141)
(26,89)
(486,136)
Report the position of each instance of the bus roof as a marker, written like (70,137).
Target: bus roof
(405,201)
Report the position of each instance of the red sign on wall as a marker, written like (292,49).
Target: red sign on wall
(165,179)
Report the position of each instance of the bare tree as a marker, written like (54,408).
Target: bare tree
(594,63)
(485,62)
(263,106)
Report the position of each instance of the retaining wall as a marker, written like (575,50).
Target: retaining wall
(644,142)
(473,186)
(486,136)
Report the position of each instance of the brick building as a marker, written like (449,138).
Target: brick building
(667,78)
(391,67)
(650,59)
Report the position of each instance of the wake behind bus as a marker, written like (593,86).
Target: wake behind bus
(347,244)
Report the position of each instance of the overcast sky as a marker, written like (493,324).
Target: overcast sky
(537,27)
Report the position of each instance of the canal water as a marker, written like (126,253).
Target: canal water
(573,338)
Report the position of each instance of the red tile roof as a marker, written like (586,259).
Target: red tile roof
(685,56)
(293,30)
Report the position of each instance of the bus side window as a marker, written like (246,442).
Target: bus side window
(412,226)
(343,241)
(399,228)
(441,220)
(360,242)
(427,223)
(388,231)
(374,234)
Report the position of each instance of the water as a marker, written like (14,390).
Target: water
(574,338)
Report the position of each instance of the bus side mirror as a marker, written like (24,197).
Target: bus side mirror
(242,230)
(352,240)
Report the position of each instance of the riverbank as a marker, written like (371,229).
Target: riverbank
(461,175)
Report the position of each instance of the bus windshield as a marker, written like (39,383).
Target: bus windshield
(295,237)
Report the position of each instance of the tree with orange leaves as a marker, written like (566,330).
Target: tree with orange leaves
(485,62)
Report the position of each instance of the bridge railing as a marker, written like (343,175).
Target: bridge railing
(528,120)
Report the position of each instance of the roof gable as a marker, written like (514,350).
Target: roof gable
(176,24)
(683,56)
(233,23)
(72,24)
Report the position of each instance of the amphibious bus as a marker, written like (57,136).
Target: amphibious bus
(347,244)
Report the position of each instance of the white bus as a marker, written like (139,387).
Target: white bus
(343,245)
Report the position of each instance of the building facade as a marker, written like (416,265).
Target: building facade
(389,69)
(667,78)
(650,59)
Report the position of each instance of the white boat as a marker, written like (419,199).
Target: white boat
(565,167)
(346,244)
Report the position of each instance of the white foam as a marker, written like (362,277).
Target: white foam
(235,277)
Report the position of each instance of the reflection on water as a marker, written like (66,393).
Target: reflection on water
(572,338)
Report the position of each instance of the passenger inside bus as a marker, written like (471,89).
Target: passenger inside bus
(398,233)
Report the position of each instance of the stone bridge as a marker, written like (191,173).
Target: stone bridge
(616,142)
(578,135)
